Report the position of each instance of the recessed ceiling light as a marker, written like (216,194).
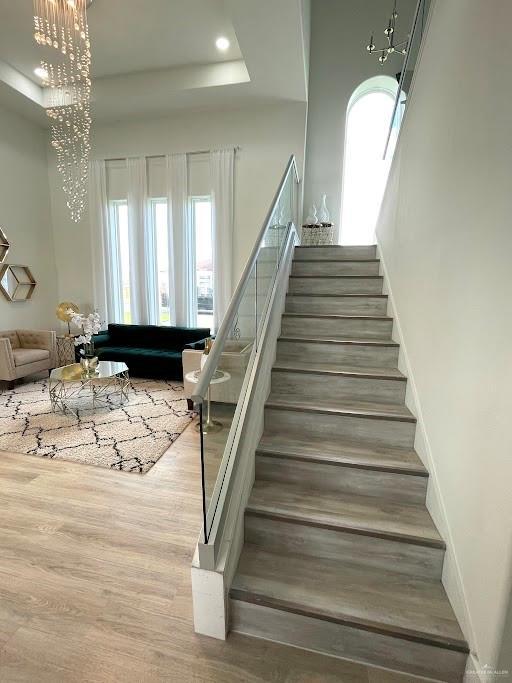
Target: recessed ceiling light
(222,44)
(41,73)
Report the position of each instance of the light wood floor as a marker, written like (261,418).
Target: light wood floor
(95,581)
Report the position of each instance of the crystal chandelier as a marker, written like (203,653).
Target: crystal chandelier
(392,45)
(62,32)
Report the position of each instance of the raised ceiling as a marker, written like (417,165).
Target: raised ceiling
(128,36)
(150,57)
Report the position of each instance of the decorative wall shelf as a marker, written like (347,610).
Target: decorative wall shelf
(4,246)
(16,282)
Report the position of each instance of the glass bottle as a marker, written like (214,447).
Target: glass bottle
(312,218)
(324,216)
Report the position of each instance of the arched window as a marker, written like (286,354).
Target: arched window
(365,172)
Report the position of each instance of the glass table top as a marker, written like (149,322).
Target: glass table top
(75,372)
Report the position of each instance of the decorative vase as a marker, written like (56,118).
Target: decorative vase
(324,215)
(312,218)
(89,365)
(88,350)
(88,360)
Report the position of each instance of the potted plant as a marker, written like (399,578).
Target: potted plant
(89,325)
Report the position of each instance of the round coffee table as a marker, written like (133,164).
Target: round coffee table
(219,376)
(72,383)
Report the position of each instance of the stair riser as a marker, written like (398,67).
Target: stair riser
(332,328)
(319,285)
(359,305)
(371,551)
(363,430)
(335,268)
(334,252)
(347,354)
(404,488)
(302,385)
(347,642)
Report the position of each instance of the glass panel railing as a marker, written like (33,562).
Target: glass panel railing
(221,383)
(416,35)
(225,386)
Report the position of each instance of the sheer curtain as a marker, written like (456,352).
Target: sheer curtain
(106,269)
(181,255)
(143,268)
(222,165)
(142,238)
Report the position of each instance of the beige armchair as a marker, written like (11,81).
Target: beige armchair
(25,352)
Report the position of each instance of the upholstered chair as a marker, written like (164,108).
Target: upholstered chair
(26,352)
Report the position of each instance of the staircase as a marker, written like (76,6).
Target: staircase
(341,555)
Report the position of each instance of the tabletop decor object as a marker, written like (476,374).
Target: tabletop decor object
(318,230)
(64,312)
(90,325)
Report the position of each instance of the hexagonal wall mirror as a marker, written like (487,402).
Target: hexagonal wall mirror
(16,282)
(4,246)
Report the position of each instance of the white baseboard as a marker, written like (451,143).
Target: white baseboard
(452,575)
(473,673)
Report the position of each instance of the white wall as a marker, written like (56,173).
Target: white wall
(268,134)
(445,234)
(25,218)
(339,63)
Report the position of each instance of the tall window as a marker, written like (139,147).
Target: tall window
(365,172)
(201,262)
(201,225)
(121,257)
(159,220)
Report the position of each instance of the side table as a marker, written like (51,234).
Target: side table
(65,350)
(219,376)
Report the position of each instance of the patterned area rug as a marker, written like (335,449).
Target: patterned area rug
(130,437)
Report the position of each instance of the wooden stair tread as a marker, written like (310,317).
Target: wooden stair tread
(350,295)
(336,260)
(336,316)
(380,458)
(352,594)
(330,368)
(367,515)
(332,406)
(340,340)
(337,277)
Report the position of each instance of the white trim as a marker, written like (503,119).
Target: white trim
(452,575)
(472,673)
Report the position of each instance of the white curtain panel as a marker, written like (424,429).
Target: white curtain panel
(106,272)
(222,168)
(143,268)
(181,254)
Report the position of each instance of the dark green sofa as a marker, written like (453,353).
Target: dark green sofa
(149,350)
